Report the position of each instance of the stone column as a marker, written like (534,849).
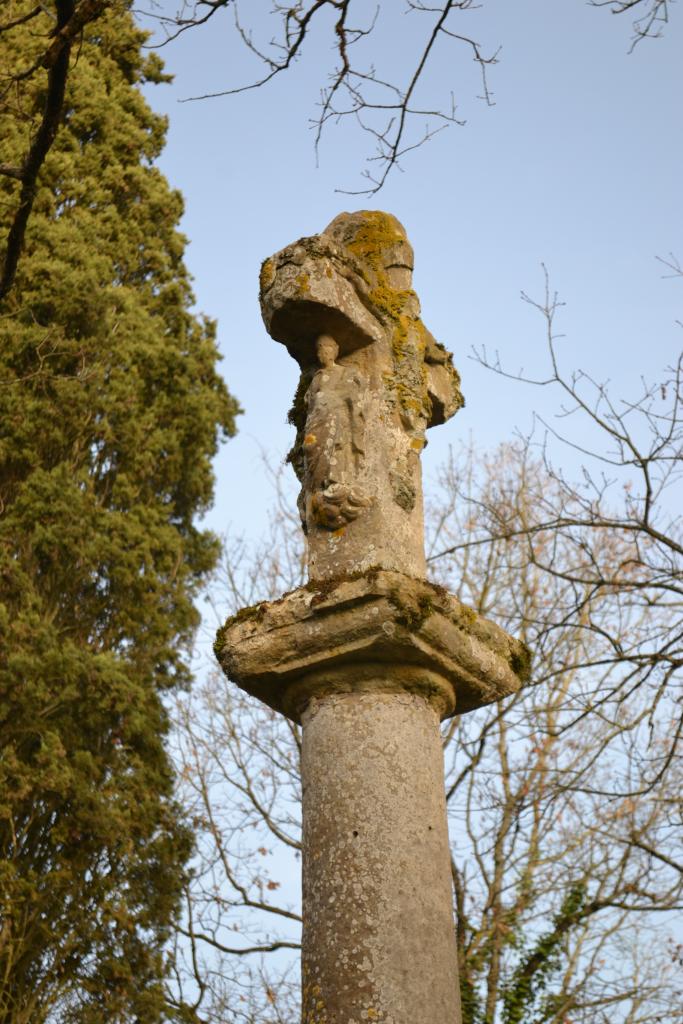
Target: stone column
(378,939)
(369,656)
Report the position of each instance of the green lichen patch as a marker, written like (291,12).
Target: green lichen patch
(403,490)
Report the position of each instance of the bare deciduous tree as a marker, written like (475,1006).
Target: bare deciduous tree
(565,898)
(630,496)
(551,793)
(385,108)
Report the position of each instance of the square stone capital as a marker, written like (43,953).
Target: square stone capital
(378,631)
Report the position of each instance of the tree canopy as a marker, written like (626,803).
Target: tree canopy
(111,409)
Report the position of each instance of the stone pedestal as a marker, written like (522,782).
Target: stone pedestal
(378,938)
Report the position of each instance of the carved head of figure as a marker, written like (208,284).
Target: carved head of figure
(327,350)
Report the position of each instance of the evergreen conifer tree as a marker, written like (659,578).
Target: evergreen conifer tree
(110,411)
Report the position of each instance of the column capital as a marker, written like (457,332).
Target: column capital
(373,632)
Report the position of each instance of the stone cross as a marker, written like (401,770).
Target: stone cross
(368,656)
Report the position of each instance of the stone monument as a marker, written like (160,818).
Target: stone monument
(368,656)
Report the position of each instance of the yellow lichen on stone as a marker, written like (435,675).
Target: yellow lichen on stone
(303,283)
(267,275)
(371,240)
(377,233)
(386,300)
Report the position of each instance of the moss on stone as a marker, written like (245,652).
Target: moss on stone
(253,612)
(465,616)
(520,661)
(297,417)
(412,615)
(322,589)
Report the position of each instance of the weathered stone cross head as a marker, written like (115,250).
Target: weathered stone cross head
(373,379)
(369,655)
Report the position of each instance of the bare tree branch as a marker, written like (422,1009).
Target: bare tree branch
(385,110)
(652,16)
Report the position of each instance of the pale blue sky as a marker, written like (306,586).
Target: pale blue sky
(577,165)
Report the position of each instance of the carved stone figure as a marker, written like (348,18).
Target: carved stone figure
(373,379)
(334,442)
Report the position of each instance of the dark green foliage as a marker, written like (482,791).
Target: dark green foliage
(110,412)
(531,966)
(470,1001)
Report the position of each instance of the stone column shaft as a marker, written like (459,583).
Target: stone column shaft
(378,938)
